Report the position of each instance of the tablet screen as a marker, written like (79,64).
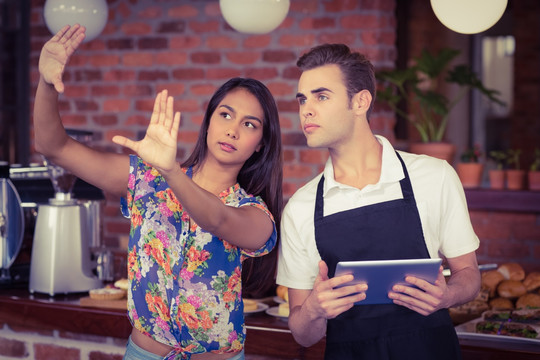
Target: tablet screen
(381,275)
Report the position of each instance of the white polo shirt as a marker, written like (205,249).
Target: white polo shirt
(439,196)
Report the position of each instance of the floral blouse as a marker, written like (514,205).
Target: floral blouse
(185,283)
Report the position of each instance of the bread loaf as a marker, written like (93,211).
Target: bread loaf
(283,309)
(249,305)
(532,281)
(283,292)
(490,280)
(528,301)
(500,303)
(511,289)
(512,271)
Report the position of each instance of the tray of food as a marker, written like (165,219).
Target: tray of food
(507,287)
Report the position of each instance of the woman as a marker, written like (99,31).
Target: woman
(193,224)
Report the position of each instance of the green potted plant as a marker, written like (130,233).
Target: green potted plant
(497,176)
(534,172)
(515,176)
(470,169)
(429,106)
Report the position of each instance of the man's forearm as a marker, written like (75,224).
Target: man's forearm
(306,331)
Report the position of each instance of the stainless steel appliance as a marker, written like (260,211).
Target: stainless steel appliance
(65,232)
(11,224)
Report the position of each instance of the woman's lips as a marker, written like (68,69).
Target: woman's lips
(227,147)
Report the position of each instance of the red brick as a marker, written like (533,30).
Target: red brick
(261,73)
(206,57)
(277,56)
(281,88)
(152,43)
(188,73)
(184,42)
(76,91)
(222,73)
(96,355)
(183,11)
(221,42)
(69,120)
(291,40)
(341,5)
(174,89)
(13,348)
(151,12)
(55,352)
(310,23)
(294,139)
(119,75)
(202,89)
(257,41)
(104,90)
(345,38)
(105,120)
(313,156)
(117,227)
(116,105)
(137,90)
(153,75)
(137,59)
(171,27)
(188,136)
(136,28)
(204,26)
(86,105)
(243,58)
(186,105)
(137,120)
(287,105)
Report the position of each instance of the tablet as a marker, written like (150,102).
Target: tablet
(381,275)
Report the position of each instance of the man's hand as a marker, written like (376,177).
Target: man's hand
(425,300)
(159,145)
(328,300)
(56,53)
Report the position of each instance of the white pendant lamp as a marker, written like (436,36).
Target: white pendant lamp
(254,16)
(468,16)
(92,14)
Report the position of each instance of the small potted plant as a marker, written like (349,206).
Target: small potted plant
(421,86)
(515,176)
(497,176)
(534,172)
(470,169)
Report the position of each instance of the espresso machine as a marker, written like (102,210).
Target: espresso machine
(66,231)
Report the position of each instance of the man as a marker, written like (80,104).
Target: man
(370,203)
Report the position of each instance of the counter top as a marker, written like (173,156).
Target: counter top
(267,335)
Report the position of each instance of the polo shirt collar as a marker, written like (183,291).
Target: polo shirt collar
(391,168)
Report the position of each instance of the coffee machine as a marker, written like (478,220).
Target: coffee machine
(65,232)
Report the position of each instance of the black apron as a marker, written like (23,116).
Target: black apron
(385,231)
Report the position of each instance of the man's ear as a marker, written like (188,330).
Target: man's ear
(361,101)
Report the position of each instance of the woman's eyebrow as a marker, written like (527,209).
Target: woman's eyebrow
(250,117)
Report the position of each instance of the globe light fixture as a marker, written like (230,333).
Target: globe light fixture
(254,16)
(92,14)
(468,16)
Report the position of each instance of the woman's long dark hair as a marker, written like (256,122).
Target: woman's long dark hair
(261,175)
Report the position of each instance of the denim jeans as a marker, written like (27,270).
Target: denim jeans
(134,352)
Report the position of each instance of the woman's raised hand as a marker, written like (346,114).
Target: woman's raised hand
(56,53)
(159,145)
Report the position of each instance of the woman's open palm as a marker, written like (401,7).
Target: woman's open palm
(159,145)
(56,53)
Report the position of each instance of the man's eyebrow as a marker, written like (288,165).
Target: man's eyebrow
(314,91)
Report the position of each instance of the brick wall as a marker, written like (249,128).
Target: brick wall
(23,343)
(186,47)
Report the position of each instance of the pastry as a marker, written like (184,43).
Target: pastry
(107,294)
(512,271)
(283,309)
(283,292)
(528,301)
(532,281)
(249,305)
(511,289)
(490,280)
(121,284)
(500,303)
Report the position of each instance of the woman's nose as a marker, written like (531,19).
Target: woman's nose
(231,132)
